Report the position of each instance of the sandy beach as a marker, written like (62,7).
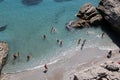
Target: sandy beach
(66,67)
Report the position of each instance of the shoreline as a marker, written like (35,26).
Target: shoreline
(63,66)
(66,54)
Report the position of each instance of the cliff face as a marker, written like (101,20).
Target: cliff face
(110,10)
(3,54)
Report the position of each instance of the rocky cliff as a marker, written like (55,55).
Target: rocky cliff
(110,10)
(88,15)
(3,54)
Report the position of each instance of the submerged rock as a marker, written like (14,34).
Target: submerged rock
(3,54)
(2,28)
(61,0)
(1,0)
(110,10)
(31,2)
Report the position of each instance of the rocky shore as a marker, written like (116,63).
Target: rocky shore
(88,15)
(3,54)
(107,70)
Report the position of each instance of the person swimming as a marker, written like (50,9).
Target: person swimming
(53,30)
(28,57)
(58,41)
(14,56)
(78,41)
(44,36)
(61,43)
(83,44)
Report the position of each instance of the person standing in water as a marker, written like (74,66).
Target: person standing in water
(44,36)
(61,43)
(58,41)
(14,56)
(78,41)
(28,57)
(52,29)
(83,44)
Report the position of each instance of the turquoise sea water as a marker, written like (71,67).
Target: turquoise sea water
(27,24)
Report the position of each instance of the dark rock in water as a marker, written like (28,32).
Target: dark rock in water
(31,2)
(2,28)
(110,10)
(61,0)
(1,0)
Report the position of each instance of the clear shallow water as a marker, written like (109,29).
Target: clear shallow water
(26,25)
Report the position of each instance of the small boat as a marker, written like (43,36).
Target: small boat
(2,28)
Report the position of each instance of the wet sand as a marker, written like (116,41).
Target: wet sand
(65,68)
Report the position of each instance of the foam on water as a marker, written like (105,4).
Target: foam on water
(26,26)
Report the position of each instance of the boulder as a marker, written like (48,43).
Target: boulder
(110,10)
(87,11)
(97,19)
(3,54)
(78,23)
(87,15)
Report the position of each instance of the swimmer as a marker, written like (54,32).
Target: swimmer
(61,43)
(44,36)
(78,41)
(83,44)
(58,41)
(52,29)
(14,56)
(28,57)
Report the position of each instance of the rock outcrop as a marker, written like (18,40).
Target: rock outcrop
(106,71)
(31,2)
(110,10)
(87,16)
(3,54)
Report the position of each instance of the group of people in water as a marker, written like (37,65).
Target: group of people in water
(78,42)
(17,55)
(60,42)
